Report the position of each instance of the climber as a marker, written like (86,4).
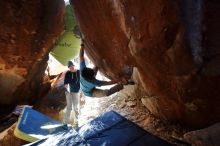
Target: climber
(72,84)
(89,82)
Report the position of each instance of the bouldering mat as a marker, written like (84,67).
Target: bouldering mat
(33,125)
(67,46)
(110,129)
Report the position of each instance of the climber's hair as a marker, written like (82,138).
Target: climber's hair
(88,73)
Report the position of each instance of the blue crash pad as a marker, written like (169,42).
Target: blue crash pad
(33,125)
(110,129)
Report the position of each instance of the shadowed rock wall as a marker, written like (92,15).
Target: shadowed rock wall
(28,30)
(173,44)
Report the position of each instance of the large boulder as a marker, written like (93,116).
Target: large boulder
(173,44)
(28,30)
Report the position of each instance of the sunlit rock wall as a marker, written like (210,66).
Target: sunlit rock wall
(174,45)
(28,29)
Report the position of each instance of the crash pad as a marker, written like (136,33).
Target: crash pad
(67,46)
(33,125)
(109,129)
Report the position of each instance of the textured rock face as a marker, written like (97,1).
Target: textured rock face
(173,44)
(28,30)
(204,137)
